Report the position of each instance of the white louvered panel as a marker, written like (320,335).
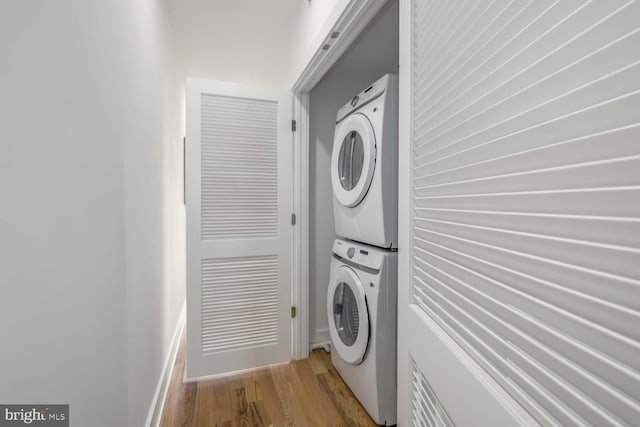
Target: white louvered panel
(526,184)
(239,167)
(426,409)
(239,303)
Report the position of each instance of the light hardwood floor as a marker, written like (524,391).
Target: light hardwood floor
(300,393)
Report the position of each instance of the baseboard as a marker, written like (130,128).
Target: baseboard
(319,337)
(157,404)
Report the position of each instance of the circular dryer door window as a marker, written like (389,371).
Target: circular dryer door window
(348,316)
(350,160)
(353,159)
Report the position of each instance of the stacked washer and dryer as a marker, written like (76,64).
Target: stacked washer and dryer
(362,295)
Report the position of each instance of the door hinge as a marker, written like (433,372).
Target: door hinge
(293,219)
(294,125)
(293,311)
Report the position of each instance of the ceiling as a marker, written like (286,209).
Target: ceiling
(245,41)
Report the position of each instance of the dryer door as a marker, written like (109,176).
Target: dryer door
(353,159)
(348,316)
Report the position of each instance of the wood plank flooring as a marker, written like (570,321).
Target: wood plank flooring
(300,393)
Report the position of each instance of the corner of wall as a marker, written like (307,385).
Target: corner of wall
(154,415)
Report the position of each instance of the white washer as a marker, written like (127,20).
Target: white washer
(364,165)
(361,305)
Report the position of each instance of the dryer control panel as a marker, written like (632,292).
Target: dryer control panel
(362,255)
(364,97)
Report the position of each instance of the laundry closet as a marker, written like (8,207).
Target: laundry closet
(372,55)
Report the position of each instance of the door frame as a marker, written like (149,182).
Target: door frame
(345,23)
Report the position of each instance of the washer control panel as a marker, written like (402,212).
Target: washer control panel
(351,252)
(359,254)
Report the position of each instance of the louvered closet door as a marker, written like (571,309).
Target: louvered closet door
(238,231)
(524,244)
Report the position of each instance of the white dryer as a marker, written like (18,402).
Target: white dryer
(361,305)
(364,165)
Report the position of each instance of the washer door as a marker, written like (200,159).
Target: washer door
(353,159)
(348,316)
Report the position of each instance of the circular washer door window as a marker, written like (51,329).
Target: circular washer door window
(353,159)
(348,316)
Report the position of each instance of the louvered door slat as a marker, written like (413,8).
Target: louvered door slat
(427,411)
(232,179)
(525,226)
(238,234)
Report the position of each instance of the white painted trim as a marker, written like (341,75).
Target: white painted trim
(157,404)
(300,288)
(318,41)
(450,364)
(352,19)
(405,208)
(320,337)
(326,346)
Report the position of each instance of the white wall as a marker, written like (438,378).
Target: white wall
(374,53)
(153,199)
(92,248)
(248,41)
(314,19)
